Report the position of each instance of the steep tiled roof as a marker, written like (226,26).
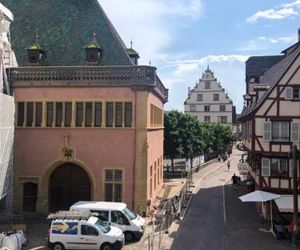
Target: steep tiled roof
(64,28)
(272,77)
(258,65)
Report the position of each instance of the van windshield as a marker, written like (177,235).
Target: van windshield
(129,214)
(103,227)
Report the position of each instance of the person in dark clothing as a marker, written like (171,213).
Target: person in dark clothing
(234,179)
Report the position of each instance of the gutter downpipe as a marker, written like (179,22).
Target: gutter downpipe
(134,152)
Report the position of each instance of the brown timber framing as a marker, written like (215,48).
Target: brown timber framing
(252,112)
(253,137)
(260,146)
(279,92)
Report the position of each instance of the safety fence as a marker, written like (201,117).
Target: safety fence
(170,210)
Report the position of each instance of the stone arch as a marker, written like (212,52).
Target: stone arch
(43,205)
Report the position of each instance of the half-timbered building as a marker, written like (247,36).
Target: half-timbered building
(271,122)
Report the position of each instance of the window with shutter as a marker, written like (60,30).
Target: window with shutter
(291,168)
(280,131)
(265,167)
(288,93)
(295,132)
(267,131)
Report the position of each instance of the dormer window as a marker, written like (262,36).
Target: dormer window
(93,51)
(35,52)
(134,56)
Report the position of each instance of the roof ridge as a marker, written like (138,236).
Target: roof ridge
(292,57)
(113,30)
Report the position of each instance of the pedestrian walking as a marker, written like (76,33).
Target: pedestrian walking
(228,165)
(234,181)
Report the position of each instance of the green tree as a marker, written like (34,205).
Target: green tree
(171,136)
(186,136)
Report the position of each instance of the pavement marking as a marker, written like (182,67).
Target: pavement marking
(224,204)
(205,175)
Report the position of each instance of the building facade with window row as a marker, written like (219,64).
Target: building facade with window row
(89,120)
(271,123)
(208,102)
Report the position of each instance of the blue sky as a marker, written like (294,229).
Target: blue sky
(181,37)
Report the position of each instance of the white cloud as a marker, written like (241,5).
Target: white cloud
(150,24)
(263,42)
(272,14)
(228,69)
(293,4)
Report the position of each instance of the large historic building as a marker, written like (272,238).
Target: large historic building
(271,122)
(208,102)
(7,109)
(89,122)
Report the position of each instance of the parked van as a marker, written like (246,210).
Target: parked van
(115,214)
(80,230)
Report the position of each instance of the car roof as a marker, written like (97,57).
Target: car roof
(94,205)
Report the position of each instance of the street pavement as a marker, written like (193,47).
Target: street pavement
(218,220)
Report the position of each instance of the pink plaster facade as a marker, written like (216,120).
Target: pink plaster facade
(38,150)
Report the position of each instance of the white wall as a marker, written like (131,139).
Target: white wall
(208,99)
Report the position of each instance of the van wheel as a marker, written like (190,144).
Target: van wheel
(128,236)
(106,246)
(58,246)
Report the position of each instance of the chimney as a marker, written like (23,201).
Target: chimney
(298,34)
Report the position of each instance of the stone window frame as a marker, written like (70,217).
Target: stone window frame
(114,182)
(43,114)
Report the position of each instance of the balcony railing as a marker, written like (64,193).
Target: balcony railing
(43,76)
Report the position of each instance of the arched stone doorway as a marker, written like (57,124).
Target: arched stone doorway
(68,184)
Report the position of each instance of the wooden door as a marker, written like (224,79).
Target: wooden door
(68,184)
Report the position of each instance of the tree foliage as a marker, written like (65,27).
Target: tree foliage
(187,137)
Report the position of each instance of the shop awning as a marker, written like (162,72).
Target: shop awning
(285,203)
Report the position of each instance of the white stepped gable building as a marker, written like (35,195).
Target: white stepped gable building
(7,110)
(208,101)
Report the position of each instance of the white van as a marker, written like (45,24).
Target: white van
(116,214)
(79,230)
